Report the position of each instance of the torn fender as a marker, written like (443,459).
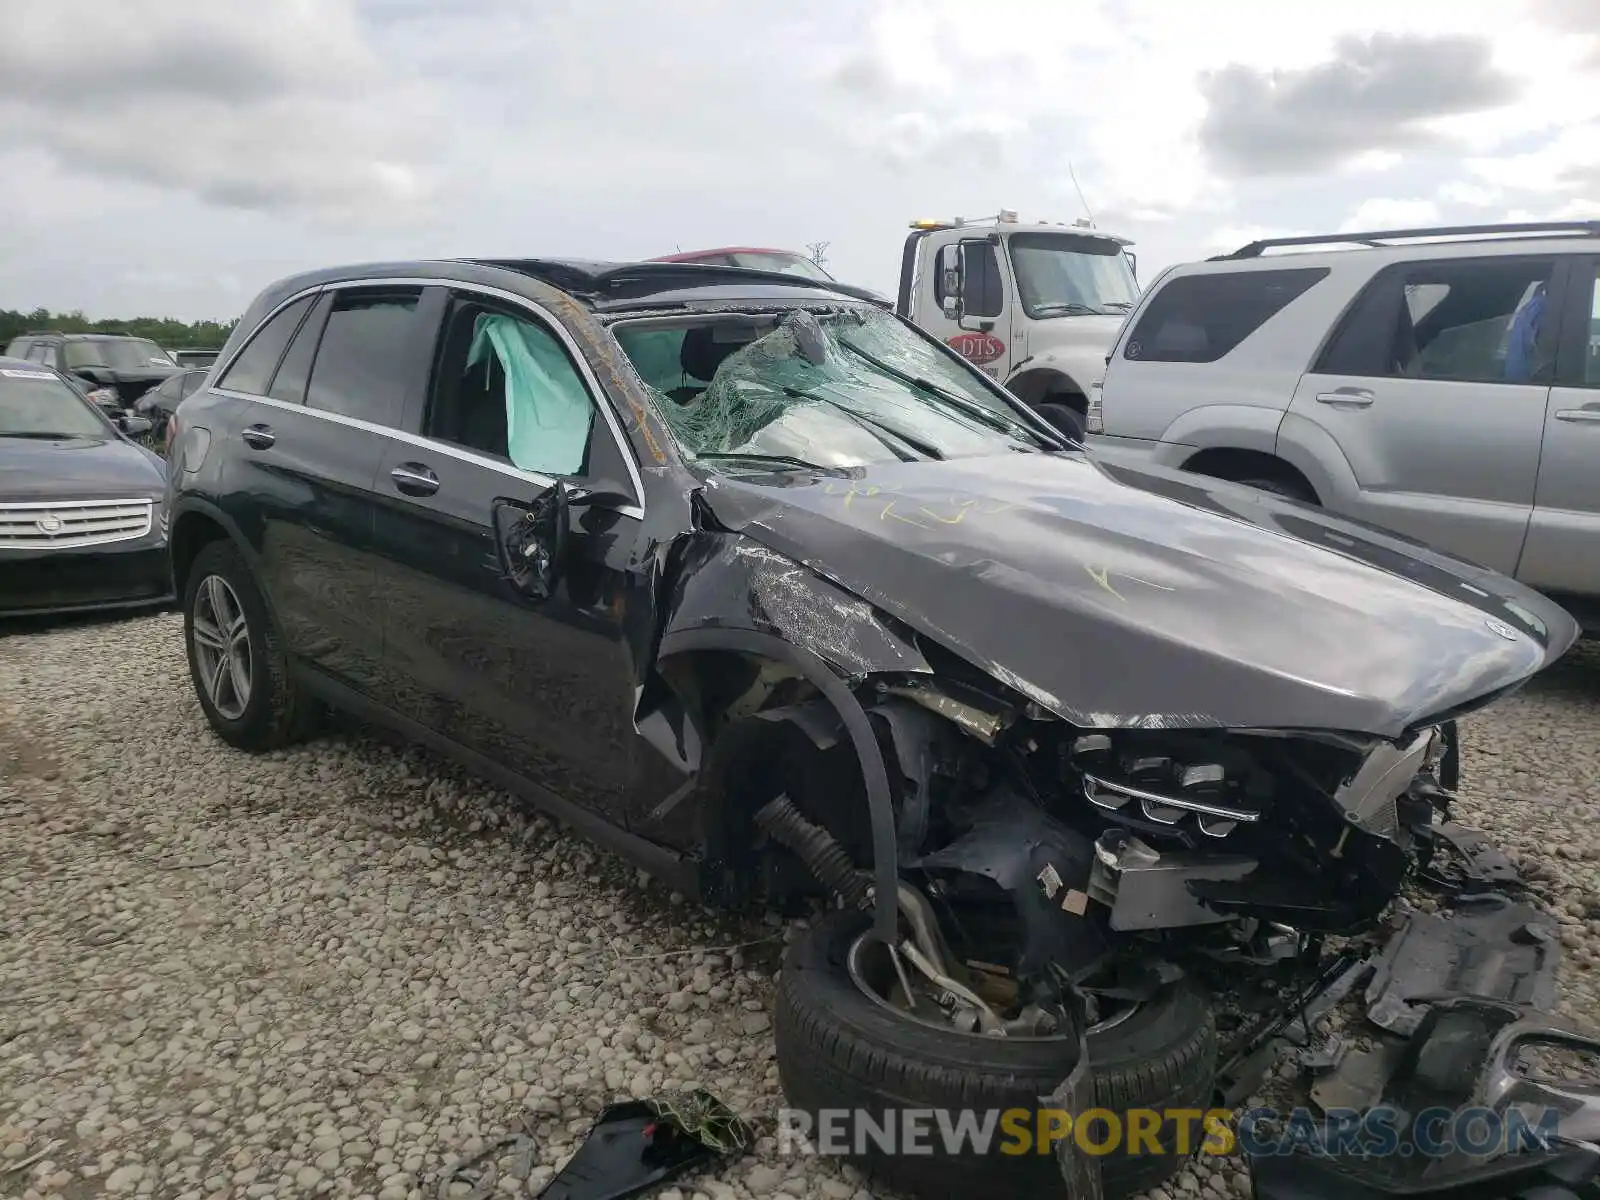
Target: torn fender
(729,581)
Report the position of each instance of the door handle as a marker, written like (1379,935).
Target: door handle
(258,437)
(414,479)
(1346,397)
(1578,414)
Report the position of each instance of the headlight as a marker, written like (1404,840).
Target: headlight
(1165,788)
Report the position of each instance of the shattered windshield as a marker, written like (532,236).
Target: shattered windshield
(835,388)
(1060,275)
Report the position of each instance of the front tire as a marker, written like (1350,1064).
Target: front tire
(236,659)
(838,1049)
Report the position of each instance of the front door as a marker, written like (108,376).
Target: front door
(544,687)
(1563,551)
(985,300)
(1433,388)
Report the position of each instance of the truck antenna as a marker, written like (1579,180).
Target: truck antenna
(1074,176)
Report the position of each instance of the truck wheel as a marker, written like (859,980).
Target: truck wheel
(840,1047)
(1066,417)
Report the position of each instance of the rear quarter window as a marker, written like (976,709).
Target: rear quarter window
(1200,318)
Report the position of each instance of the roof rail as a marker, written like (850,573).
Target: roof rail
(41,333)
(1384,237)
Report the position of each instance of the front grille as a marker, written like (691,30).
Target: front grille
(68,524)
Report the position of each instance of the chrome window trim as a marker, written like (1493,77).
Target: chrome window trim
(597,394)
(433,445)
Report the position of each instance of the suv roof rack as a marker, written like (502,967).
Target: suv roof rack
(1386,237)
(41,333)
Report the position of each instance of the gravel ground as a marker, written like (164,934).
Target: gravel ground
(334,970)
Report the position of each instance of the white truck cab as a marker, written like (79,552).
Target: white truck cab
(1035,306)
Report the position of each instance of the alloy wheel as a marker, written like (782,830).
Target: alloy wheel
(221,639)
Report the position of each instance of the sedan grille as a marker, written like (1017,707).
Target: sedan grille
(67,524)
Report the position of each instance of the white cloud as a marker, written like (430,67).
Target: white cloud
(285,106)
(1382,213)
(1471,195)
(1568,162)
(181,145)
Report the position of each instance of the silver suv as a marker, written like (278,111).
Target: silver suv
(1443,383)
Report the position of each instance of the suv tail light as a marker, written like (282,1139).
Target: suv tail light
(1094,419)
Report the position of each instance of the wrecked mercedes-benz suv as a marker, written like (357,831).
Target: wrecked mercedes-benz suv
(1099,769)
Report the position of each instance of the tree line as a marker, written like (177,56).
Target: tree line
(164,331)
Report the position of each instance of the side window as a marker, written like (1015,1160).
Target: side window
(48,354)
(983,295)
(255,365)
(1200,318)
(362,360)
(504,386)
(1591,345)
(189,381)
(1469,321)
(294,372)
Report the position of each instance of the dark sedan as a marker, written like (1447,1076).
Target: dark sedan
(82,519)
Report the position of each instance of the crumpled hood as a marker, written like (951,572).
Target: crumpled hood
(1123,597)
(79,468)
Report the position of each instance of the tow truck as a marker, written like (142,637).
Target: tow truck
(1034,306)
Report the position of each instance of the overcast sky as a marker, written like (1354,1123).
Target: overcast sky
(170,157)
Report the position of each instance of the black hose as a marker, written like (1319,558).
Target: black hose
(780,820)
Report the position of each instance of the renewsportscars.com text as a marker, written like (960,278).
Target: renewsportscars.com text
(1374,1133)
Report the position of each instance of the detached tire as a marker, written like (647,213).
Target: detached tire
(838,1049)
(256,706)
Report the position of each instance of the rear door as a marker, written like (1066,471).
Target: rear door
(1563,550)
(326,384)
(545,688)
(1434,387)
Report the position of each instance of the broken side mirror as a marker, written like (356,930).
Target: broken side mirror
(533,541)
(602,493)
(950,280)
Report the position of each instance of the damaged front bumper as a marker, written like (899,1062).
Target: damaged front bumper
(1453,1093)
(1470,1065)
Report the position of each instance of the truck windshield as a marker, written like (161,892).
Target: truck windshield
(1061,275)
(827,389)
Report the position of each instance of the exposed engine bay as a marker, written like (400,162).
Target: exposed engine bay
(1046,854)
(1054,879)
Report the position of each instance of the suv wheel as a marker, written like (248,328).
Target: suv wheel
(236,659)
(841,1046)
